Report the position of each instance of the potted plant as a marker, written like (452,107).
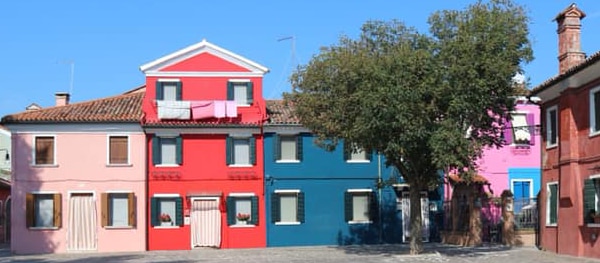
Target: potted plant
(165,220)
(243,218)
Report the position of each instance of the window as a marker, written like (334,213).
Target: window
(118,150)
(43,210)
(552,204)
(352,154)
(287,148)
(118,209)
(242,209)
(167,150)
(552,126)
(595,110)
(44,150)
(241,151)
(241,92)
(520,130)
(167,210)
(591,198)
(168,90)
(359,206)
(287,207)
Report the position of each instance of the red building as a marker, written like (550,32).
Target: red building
(570,194)
(203,116)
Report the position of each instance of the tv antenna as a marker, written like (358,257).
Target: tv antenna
(293,60)
(72,64)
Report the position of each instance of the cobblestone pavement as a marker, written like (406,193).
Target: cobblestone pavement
(321,254)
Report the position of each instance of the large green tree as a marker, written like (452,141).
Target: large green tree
(426,101)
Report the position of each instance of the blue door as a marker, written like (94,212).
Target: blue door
(521,194)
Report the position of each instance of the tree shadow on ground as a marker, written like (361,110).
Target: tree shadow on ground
(429,248)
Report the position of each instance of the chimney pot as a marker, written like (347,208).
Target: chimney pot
(62,98)
(569,38)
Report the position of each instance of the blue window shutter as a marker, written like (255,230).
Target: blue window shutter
(156,153)
(276,147)
(301,207)
(348,210)
(230,91)
(299,149)
(347,150)
(275,208)
(531,125)
(254,210)
(178,91)
(179,211)
(252,142)
(230,210)
(589,199)
(369,155)
(229,150)
(508,132)
(154,211)
(179,150)
(250,93)
(373,207)
(159,90)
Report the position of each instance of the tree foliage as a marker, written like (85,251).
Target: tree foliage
(413,96)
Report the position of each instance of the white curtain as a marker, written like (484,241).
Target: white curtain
(82,223)
(206,223)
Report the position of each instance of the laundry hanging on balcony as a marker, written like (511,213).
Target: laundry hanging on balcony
(204,109)
(178,109)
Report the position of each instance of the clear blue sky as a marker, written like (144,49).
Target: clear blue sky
(108,40)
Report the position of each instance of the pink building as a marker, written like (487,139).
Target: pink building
(79,176)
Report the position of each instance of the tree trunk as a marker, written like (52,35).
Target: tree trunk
(416,225)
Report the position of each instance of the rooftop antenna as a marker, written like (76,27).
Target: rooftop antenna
(72,63)
(293,61)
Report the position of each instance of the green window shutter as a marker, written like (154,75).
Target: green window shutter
(299,150)
(254,210)
(373,207)
(369,155)
(276,147)
(589,199)
(348,206)
(230,210)
(230,91)
(252,142)
(275,208)
(553,203)
(250,93)
(178,95)
(179,211)
(159,90)
(179,150)
(347,151)
(154,211)
(156,154)
(229,150)
(301,207)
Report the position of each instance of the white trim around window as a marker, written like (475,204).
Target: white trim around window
(365,190)
(34,147)
(549,143)
(108,136)
(71,193)
(512,181)
(548,203)
(592,107)
(166,195)
(241,194)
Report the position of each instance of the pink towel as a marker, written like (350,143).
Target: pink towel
(231,108)
(203,109)
(220,108)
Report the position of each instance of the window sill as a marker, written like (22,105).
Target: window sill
(360,222)
(594,134)
(244,105)
(43,228)
(165,227)
(593,225)
(287,223)
(242,226)
(551,225)
(358,161)
(119,165)
(44,165)
(119,227)
(166,165)
(287,161)
(240,165)
(551,146)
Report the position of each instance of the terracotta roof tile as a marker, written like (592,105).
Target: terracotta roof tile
(570,72)
(120,108)
(280,112)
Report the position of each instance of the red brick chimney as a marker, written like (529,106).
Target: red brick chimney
(62,98)
(569,39)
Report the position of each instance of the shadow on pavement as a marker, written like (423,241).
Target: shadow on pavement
(429,248)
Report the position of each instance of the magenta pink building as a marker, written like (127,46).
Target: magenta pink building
(79,176)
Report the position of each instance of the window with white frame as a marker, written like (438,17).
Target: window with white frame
(288,148)
(118,209)
(43,210)
(354,154)
(241,92)
(595,110)
(167,150)
(522,131)
(167,210)
(118,150)
(358,205)
(552,126)
(287,207)
(44,150)
(591,199)
(241,150)
(168,90)
(242,209)
(552,203)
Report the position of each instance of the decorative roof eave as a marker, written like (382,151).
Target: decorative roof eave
(199,125)
(198,48)
(286,128)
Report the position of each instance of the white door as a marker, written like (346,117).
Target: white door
(406,216)
(82,223)
(206,223)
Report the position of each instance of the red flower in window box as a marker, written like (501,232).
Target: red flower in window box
(243,217)
(164,217)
